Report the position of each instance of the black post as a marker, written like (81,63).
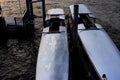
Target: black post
(44,12)
(0,10)
(75,25)
(29,9)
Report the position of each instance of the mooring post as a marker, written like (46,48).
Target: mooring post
(75,25)
(44,11)
(0,10)
(29,9)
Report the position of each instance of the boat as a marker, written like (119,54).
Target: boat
(99,47)
(53,55)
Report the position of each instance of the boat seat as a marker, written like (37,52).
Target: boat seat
(15,21)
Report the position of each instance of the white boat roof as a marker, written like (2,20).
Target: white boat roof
(53,57)
(60,17)
(56,11)
(102,52)
(82,9)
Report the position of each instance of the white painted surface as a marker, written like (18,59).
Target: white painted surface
(57,11)
(82,10)
(48,17)
(10,20)
(102,52)
(53,57)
